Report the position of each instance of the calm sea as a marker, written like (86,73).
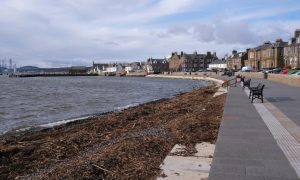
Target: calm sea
(34,102)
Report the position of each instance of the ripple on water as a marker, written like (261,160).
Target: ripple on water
(37,101)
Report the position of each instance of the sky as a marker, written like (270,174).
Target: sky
(60,33)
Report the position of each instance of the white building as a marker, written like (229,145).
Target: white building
(114,68)
(218,64)
(128,69)
(98,68)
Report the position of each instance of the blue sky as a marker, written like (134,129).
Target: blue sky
(54,33)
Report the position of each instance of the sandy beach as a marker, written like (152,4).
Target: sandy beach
(121,145)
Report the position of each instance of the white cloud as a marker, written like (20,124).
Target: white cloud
(74,32)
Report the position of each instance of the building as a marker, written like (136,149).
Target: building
(266,56)
(292,52)
(176,62)
(114,68)
(252,60)
(98,68)
(297,33)
(237,60)
(134,67)
(218,64)
(190,62)
(157,65)
(272,55)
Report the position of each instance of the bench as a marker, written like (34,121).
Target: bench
(257,93)
(246,83)
(254,88)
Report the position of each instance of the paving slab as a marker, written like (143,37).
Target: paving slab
(197,166)
(284,97)
(246,149)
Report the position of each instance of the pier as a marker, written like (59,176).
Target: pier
(54,74)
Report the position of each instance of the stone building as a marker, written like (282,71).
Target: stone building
(190,62)
(254,58)
(272,55)
(237,60)
(157,65)
(251,60)
(176,62)
(292,52)
(266,56)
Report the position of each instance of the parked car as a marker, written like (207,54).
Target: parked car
(276,71)
(246,69)
(296,74)
(266,71)
(284,71)
(292,71)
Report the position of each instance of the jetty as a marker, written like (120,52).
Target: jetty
(48,74)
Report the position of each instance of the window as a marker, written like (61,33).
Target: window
(280,52)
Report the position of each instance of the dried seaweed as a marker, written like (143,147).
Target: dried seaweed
(121,145)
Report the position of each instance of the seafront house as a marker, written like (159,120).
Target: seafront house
(272,54)
(98,68)
(292,52)
(218,64)
(157,65)
(114,68)
(266,56)
(237,60)
(190,62)
(252,60)
(134,67)
(175,62)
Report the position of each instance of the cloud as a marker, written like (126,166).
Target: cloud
(204,32)
(235,32)
(74,32)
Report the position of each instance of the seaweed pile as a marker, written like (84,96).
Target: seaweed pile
(121,145)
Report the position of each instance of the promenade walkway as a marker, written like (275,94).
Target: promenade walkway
(259,141)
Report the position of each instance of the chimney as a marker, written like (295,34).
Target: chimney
(208,53)
(279,40)
(195,53)
(234,52)
(215,54)
(297,33)
(181,54)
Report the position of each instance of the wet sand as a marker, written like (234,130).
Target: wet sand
(121,145)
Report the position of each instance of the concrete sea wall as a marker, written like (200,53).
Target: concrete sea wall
(280,78)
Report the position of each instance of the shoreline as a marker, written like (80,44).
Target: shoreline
(217,82)
(31,129)
(127,144)
(72,121)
